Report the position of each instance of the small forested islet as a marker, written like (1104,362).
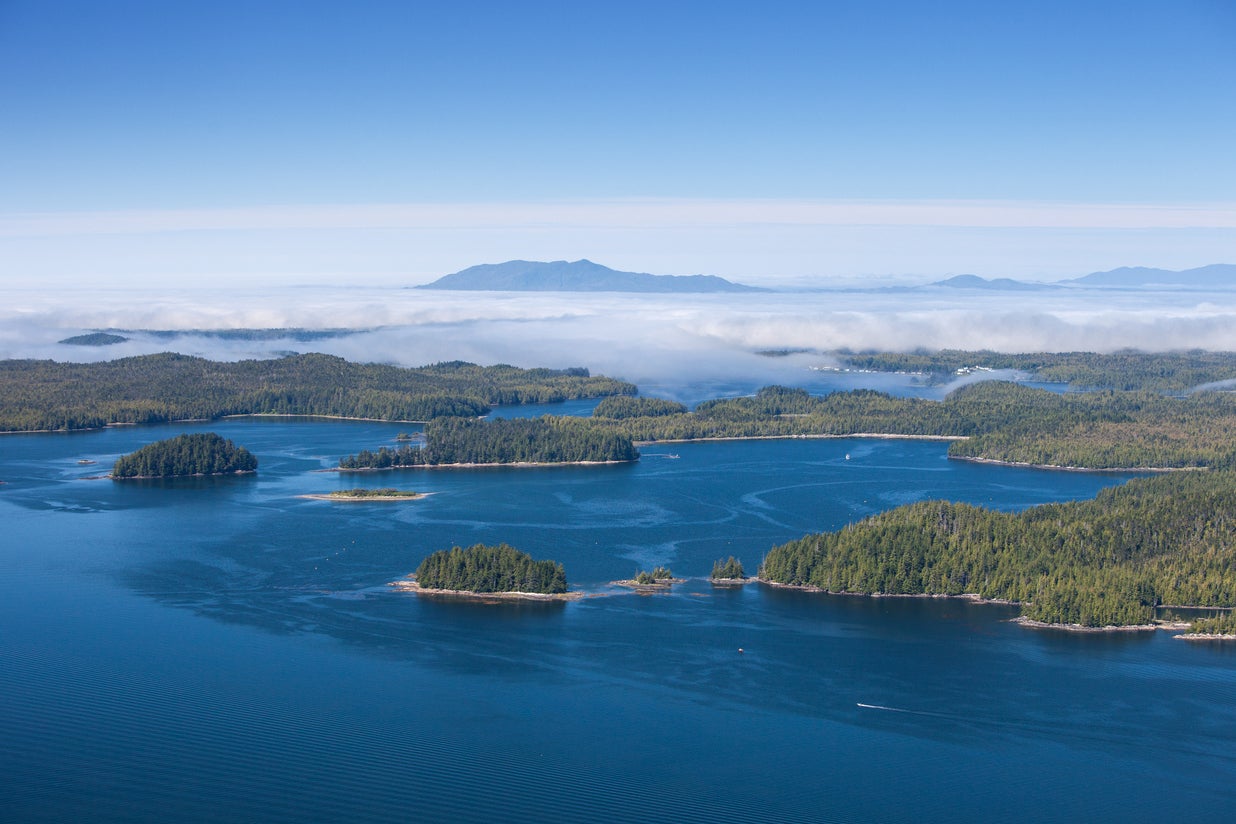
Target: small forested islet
(730,569)
(490,569)
(197,454)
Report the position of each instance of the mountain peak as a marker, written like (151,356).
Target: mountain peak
(995,284)
(581,275)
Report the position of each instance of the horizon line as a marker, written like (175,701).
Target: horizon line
(629,213)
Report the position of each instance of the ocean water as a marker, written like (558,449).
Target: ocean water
(225,650)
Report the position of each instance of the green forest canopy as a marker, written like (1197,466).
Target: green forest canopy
(47,395)
(990,420)
(995,420)
(384,492)
(659,576)
(198,454)
(546,439)
(1165,540)
(1155,540)
(625,406)
(728,570)
(482,568)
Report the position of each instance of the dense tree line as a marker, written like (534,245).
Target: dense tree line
(199,454)
(1223,624)
(1123,370)
(481,568)
(658,575)
(502,441)
(776,411)
(1170,540)
(996,420)
(1003,421)
(625,406)
(384,492)
(1105,429)
(38,394)
(384,458)
(729,569)
(999,420)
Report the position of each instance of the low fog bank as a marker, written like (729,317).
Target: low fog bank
(650,340)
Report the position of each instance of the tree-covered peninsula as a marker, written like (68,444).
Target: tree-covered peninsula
(991,420)
(544,440)
(47,395)
(199,454)
(490,569)
(625,406)
(1165,540)
(1220,626)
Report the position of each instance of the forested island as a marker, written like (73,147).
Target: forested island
(47,395)
(184,455)
(94,339)
(728,572)
(657,578)
(990,420)
(384,494)
(463,441)
(487,570)
(1160,541)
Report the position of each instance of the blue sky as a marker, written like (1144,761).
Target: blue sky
(617,132)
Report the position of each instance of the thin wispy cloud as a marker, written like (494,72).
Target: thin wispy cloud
(632,213)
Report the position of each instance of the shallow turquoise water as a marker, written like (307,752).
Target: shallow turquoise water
(222,649)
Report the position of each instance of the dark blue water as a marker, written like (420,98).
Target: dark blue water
(222,649)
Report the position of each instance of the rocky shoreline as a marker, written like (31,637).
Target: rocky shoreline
(336,496)
(516,464)
(661,585)
(410,585)
(1031,623)
(1170,626)
(1060,468)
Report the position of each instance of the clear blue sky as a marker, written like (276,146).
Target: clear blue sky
(153,106)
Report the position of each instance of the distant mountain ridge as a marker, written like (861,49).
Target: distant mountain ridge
(976,282)
(1214,276)
(576,276)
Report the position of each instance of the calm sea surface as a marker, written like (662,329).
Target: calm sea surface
(224,650)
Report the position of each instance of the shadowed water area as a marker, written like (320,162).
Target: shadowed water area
(222,649)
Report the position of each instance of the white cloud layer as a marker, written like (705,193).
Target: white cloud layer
(651,340)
